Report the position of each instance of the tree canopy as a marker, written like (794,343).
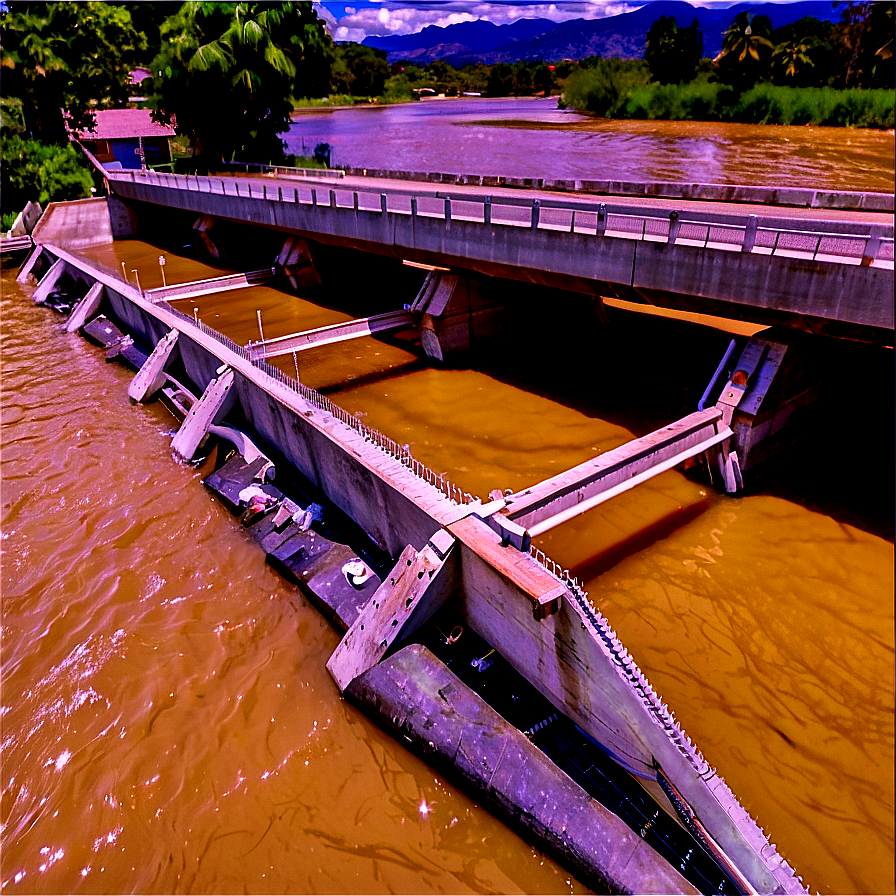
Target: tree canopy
(72,56)
(227,74)
(673,53)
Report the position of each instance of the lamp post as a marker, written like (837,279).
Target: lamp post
(162,269)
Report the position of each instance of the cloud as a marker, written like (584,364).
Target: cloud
(391,17)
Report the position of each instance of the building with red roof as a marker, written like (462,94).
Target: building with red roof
(121,136)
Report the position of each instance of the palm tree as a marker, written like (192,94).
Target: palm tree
(228,73)
(746,50)
(791,61)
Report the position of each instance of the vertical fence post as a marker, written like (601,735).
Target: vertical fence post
(313,196)
(601,219)
(572,222)
(280,193)
(674,227)
(383,208)
(355,201)
(487,210)
(872,246)
(536,213)
(413,206)
(332,199)
(297,195)
(750,233)
(447,210)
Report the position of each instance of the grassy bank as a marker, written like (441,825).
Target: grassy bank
(626,94)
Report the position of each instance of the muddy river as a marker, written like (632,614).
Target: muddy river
(530,137)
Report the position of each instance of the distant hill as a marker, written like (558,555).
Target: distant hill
(623,35)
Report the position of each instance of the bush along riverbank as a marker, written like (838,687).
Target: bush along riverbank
(616,94)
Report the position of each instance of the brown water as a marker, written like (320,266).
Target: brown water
(474,136)
(143,636)
(168,724)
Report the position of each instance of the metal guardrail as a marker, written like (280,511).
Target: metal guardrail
(286,170)
(401,453)
(834,241)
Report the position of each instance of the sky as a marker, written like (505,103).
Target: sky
(356,20)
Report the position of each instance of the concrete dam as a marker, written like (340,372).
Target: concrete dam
(432,542)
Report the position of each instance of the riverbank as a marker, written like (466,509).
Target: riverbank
(594,92)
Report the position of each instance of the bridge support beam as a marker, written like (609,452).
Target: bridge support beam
(420,582)
(352,329)
(86,308)
(562,497)
(49,280)
(151,376)
(206,412)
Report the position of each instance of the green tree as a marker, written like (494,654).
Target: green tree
(803,54)
(864,41)
(41,172)
(673,53)
(228,73)
(746,51)
(500,80)
(367,68)
(67,56)
(542,78)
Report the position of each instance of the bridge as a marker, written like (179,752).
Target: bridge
(824,270)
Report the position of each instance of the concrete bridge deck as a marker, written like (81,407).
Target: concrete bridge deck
(819,269)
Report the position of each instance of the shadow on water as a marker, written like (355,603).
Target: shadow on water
(643,538)
(844,466)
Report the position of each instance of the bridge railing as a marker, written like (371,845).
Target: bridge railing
(833,241)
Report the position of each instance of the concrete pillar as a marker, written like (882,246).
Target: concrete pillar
(30,262)
(151,376)
(202,415)
(298,266)
(86,309)
(418,585)
(48,281)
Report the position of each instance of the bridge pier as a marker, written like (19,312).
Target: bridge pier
(455,315)
(771,386)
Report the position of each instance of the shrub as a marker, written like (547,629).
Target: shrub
(41,172)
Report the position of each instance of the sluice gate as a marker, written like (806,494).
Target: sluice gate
(448,546)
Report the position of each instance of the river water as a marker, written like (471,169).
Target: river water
(167,721)
(532,138)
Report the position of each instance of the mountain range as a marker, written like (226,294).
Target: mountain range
(623,35)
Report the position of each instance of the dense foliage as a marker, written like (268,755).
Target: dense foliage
(227,73)
(72,56)
(797,74)
(41,172)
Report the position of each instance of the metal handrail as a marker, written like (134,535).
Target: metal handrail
(538,206)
